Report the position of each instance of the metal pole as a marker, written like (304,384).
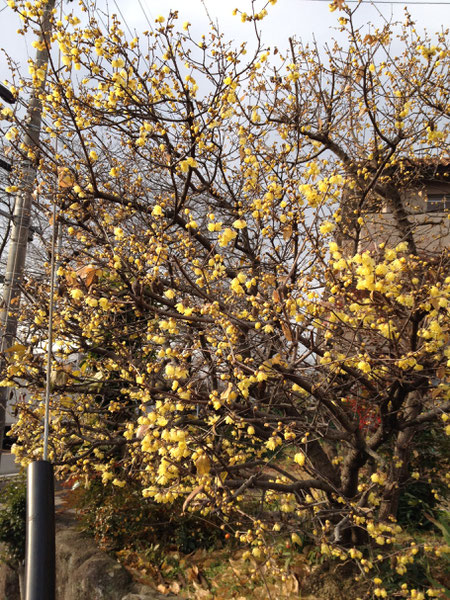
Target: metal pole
(40,527)
(40,536)
(22,212)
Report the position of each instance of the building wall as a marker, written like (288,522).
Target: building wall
(431,230)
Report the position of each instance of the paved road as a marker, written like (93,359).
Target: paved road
(8,465)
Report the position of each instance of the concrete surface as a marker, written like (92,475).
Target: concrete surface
(7,464)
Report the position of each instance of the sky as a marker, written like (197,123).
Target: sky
(305,19)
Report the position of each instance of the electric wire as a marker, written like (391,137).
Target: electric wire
(406,2)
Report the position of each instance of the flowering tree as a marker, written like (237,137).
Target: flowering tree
(238,339)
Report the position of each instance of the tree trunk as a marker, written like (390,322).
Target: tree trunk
(399,469)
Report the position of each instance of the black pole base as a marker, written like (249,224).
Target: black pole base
(40,536)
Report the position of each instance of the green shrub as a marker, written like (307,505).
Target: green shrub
(13,520)
(121,518)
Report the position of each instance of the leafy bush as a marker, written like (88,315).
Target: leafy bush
(120,518)
(13,520)
(420,498)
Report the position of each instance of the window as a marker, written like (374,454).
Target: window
(438,202)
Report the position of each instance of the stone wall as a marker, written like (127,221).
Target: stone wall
(83,572)
(9,583)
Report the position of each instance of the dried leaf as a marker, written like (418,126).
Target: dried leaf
(65,178)
(71,278)
(191,496)
(441,371)
(237,566)
(163,589)
(203,465)
(287,332)
(192,573)
(19,348)
(141,431)
(88,275)
(287,233)
(370,39)
(59,378)
(359,74)
(202,594)
(225,395)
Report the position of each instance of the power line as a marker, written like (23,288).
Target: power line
(418,2)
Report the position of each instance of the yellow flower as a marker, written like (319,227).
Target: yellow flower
(299,458)
(118,63)
(76,294)
(226,237)
(189,162)
(7,112)
(364,366)
(333,247)
(104,303)
(118,233)
(119,482)
(214,226)
(326,227)
(239,224)
(236,286)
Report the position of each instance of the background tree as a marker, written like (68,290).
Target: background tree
(236,343)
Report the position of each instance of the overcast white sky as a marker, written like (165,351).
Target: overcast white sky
(303,18)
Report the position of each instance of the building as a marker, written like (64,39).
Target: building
(423,189)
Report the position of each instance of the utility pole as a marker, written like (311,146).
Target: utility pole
(22,209)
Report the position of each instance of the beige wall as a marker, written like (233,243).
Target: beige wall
(431,229)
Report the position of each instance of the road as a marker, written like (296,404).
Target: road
(8,465)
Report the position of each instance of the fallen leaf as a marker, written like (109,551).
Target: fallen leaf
(163,589)
(192,573)
(191,496)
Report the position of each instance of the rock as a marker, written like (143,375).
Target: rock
(83,572)
(9,583)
